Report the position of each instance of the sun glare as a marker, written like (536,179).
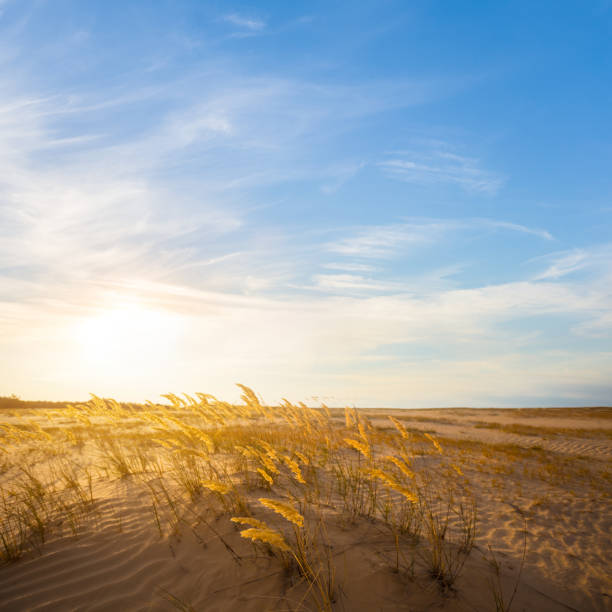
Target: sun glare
(126,335)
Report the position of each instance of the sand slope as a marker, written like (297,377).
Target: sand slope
(119,560)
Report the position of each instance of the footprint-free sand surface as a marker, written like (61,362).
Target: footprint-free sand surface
(540,480)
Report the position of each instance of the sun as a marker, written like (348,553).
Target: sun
(125,337)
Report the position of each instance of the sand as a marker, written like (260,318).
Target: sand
(556,483)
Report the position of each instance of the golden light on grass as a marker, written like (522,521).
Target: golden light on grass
(200,465)
(265,476)
(362,447)
(267,536)
(249,520)
(285,509)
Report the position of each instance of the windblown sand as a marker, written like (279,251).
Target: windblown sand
(543,471)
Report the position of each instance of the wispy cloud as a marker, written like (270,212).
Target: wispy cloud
(587,259)
(349,267)
(352,283)
(85,203)
(250,24)
(384,241)
(70,209)
(565,264)
(339,174)
(430,165)
(517,227)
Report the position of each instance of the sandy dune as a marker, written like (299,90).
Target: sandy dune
(556,485)
(555,433)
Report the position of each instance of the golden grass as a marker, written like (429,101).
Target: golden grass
(202,452)
(284,509)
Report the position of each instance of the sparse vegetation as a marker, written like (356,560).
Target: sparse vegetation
(281,475)
(551,432)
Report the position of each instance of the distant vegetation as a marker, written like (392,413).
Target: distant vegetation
(13,402)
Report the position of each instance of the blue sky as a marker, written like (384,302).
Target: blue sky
(375,203)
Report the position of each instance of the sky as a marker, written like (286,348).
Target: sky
(386,203)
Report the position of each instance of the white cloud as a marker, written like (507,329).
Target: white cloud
(592,259)
(517,228)
(349,267)
(435,165)
(326,344)
(385,241)
(600,326)
(67,215)
(566,264)
(351,282)
(339,174)
(77,205)
(254,25)
(94,234)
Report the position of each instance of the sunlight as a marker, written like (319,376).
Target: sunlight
(127,335)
